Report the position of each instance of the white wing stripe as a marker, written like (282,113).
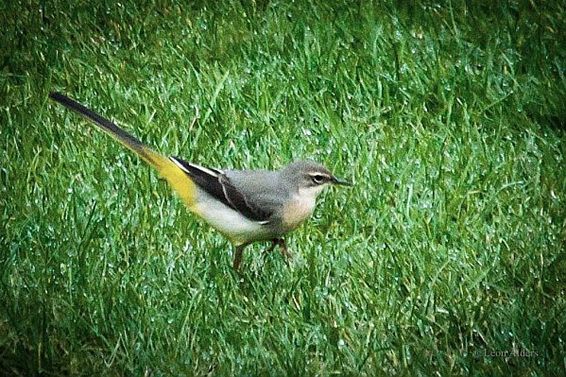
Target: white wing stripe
(179,165)
(212,172)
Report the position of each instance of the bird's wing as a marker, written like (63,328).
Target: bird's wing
(217,184)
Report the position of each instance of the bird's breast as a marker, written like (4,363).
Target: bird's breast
(297,210)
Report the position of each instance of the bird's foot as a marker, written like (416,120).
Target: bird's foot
(282,247)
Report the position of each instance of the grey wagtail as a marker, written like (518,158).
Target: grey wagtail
(244,205)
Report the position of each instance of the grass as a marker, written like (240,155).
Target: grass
(446,258)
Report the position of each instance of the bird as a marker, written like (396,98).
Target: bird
(246,206)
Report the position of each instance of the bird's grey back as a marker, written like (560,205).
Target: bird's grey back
(262,188)
(268,191)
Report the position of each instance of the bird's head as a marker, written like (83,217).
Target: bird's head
(311,177)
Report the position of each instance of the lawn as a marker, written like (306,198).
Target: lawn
(447,257)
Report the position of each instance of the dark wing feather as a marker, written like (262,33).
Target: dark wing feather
(218,185)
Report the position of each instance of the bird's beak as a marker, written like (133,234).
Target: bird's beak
(342,182)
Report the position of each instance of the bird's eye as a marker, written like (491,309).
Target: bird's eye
(318,178)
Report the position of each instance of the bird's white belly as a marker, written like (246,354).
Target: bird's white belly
(238,228)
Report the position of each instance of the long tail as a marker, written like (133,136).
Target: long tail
(177,178)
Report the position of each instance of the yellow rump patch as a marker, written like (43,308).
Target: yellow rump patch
(178,179)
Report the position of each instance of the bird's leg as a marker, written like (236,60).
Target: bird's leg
(271,247)
(283,247)
(238,256)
